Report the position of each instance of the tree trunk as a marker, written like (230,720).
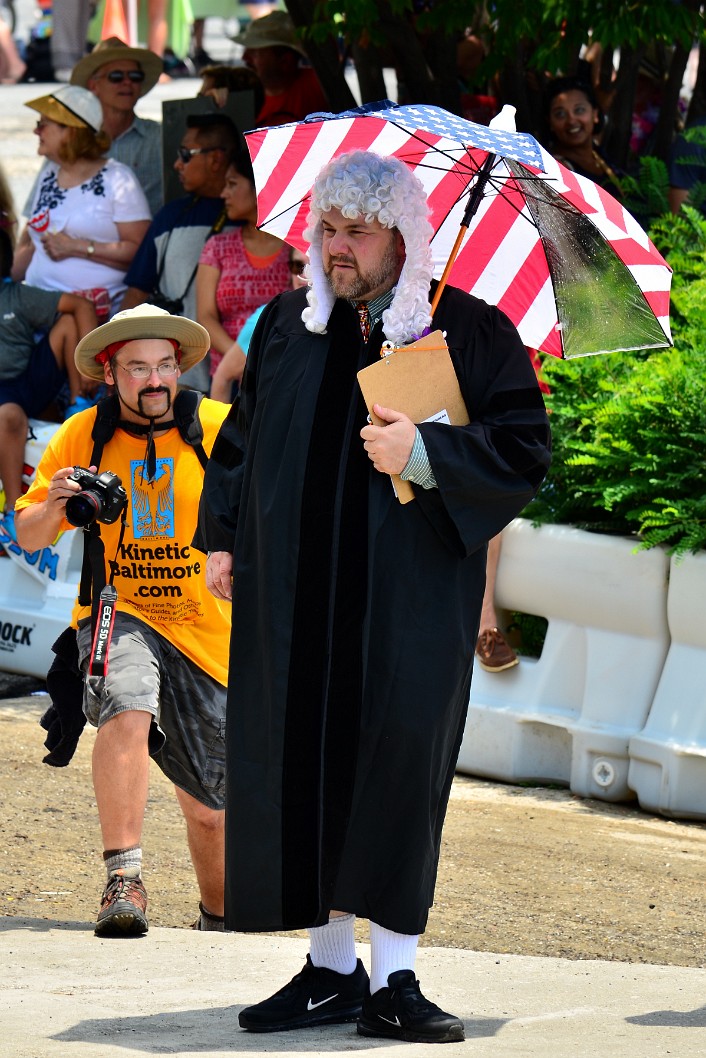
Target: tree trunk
(416,84)
(666,123)
(697,104)
(513,81)
(617,138)
(368,68)
(440,48)
(324,57)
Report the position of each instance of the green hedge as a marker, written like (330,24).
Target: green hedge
(630,429)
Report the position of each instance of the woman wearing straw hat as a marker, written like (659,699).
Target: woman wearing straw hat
(89,214)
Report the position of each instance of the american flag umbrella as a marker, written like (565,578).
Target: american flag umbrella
(573,270)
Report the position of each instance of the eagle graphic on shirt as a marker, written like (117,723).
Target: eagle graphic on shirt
(153,501)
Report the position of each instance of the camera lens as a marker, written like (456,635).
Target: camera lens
(83,508)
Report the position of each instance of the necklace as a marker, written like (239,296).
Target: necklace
(605,168)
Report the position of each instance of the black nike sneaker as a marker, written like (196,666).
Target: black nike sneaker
(401,1012)
(315,996)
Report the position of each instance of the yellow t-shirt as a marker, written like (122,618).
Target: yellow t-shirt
(159,577)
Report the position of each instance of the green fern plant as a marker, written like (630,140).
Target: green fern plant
(645,194)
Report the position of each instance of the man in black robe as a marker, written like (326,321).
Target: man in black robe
(356,616)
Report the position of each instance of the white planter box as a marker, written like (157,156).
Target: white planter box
(568,717)
(668,758)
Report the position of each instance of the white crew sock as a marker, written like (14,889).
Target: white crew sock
(333,945)
(389,952)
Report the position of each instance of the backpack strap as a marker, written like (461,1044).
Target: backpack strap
(105,425)
(186,416)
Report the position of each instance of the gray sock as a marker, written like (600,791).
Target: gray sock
(127,861)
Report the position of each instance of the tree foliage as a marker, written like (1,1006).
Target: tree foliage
(524,45)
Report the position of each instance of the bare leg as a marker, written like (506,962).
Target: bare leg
(206,836)
(157,29)
(488,616)
(13,437)
(11,66)
(63,339)
(197,28)
(121,778)
(492,649)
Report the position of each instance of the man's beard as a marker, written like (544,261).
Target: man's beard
(357,284)
(153,389)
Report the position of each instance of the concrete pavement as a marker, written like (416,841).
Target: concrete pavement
(66,994)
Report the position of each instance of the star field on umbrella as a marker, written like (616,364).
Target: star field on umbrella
(518,145)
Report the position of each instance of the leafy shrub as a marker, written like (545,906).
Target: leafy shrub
(645,194)
(630,429)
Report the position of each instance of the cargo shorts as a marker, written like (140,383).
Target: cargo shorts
(188,707)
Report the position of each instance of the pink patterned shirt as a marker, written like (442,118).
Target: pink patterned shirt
(245,282)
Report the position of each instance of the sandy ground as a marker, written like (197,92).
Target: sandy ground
(529,871)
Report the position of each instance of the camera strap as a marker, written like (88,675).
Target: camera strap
(98,665)
(105,597)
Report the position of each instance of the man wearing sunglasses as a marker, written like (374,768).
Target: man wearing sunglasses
(119,76)
(163,270)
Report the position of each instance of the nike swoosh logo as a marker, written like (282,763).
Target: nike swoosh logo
(390,1021)
(312,1006)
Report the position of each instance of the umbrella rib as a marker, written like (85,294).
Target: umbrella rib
(287,209)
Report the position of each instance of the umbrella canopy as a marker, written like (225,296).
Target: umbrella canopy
(573,270)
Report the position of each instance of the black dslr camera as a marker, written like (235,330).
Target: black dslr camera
(102,497)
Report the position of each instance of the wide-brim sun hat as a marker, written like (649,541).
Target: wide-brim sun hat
(113,49)
(275,30)
(144,321)
(70,105)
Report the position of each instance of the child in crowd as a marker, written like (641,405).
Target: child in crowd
(36,359)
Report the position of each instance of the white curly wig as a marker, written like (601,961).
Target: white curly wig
(363,184)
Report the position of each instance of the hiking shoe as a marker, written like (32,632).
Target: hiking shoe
(206,922)
(494,652)
(315,996)
(401,1012)
(123,910)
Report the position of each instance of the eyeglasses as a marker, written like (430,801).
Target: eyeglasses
(118,76)
(185,154)
(143,371)
(297,267)
(43,122)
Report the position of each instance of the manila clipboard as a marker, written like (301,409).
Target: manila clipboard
(418,380)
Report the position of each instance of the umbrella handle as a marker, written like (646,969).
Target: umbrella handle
(448,266)
(473,204)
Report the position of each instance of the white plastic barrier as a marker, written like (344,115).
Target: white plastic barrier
(38,588)
(668,757)
(568,717)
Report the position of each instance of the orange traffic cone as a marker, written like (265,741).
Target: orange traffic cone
(114,21)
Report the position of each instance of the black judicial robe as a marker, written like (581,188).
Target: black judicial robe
(355,617)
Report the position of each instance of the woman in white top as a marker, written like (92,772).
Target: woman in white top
(89,214)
